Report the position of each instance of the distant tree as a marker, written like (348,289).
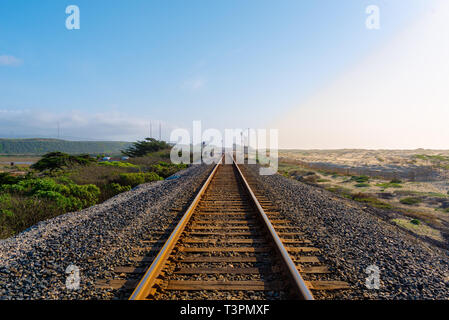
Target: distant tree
(142,148)
(58,160)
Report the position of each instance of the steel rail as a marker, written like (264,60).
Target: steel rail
(150,279)
(145,285)
(300,289)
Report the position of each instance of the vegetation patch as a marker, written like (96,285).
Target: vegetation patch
(118,164)
(165,169)
(370,200)
(67,196)
(31,200)
(362,185)
(134,179)
(345,192)
(60,182)
(419,228)
(387,185)
(360,179)
(410,201)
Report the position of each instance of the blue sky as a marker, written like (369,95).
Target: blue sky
(228,63)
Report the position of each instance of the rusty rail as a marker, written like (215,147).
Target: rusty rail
(151,280)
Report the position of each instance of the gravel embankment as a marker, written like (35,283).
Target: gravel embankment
(353,237)
(33,263)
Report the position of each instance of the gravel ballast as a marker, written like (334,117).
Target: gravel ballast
(98,239)
(33,263)
(352,237)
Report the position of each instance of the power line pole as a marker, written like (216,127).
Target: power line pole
(151,130)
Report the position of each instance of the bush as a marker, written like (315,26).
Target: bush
(360,179)
(134,179)
(362,185)
(113,189)
(415,221)
(58,160)
(67,197)
(152,176)
(410,201)
(396,181)
(19,213)
(165,169)
(131,179)
(6,178)
(388,185)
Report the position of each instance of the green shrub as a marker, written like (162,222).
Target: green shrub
(87,194)
(370,200)
(410,201)
(118,164)
(131,179)
(152,176)
(67,197)
(415,221)
(22,212)
(165,169)
(388,185)
(117,188)
(7,213)
(360,179)
(6,178)
(362,185)
(134,179)
(5,198)
(396,181)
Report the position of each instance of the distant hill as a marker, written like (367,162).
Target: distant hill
(42,146)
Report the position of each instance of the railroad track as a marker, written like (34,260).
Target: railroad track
(231,243)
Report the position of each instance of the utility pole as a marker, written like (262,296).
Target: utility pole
(151,130)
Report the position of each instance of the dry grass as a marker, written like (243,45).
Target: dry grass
(419,229)
(27,212)
(101,176)
(428,201)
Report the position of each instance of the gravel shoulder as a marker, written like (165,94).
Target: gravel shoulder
(33,263)
(353,237)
